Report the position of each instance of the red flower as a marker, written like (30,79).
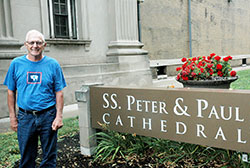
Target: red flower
(184,65)
(233,73)
(184,73)
(184,59)
(194,59)
(217,58)
(184,78)
(178,68)
(213,54)
(220,73)
(226,59)
(219,66)
(209,57)
(178,77)
(193,74)
(209,65)
(230,58)
(211,72)
(202,70)
(192,67)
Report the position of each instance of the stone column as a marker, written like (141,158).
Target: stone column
(9,46)
(87,144)
(124,47)
(5,19)
(123,28)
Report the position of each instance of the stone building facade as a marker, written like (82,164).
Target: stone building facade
(95,41)
(217,26)
(220,27)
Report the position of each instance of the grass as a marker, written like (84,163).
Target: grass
(70,128)
(243,82)
(9,150)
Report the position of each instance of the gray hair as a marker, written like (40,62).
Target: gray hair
(34,32)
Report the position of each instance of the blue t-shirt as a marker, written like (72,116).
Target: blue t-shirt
(36,82)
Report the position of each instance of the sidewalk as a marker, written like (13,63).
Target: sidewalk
(241,68)
(68,112)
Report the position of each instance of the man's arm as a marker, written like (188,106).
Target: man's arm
(11,96)
(58,122)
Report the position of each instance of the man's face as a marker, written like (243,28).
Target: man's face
(35,45)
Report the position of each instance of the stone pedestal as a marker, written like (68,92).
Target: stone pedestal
(87,142)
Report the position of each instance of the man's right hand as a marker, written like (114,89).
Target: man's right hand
(13,123)
(12,109)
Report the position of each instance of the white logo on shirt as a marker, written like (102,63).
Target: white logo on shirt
(34,77)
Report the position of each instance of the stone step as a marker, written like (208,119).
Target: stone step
(77,60)
(128,59)
(89,69)
(83,69)
(109,78)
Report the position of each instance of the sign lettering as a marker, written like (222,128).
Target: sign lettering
(217,118)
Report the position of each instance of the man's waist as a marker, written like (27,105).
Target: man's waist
(35,112)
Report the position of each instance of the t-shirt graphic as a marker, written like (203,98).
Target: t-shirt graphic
(34,77)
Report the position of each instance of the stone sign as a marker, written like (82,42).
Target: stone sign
(211,117)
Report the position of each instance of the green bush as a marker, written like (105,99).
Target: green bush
(113,146)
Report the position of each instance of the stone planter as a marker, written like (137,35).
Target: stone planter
(218,83)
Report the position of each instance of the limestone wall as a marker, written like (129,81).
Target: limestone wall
(217,26)
(33,14)
(106,51)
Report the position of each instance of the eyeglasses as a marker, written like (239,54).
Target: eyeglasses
(38,43)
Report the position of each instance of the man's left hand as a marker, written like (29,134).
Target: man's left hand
(57,123)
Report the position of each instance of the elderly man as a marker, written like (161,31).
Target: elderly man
(39,81)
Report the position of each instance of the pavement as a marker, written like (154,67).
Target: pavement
(70,111)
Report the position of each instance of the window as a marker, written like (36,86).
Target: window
(62,14)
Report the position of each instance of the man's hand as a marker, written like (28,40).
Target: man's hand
(13,123)
(11,96)
(57,123)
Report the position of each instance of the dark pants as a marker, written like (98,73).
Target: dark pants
(30,128)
